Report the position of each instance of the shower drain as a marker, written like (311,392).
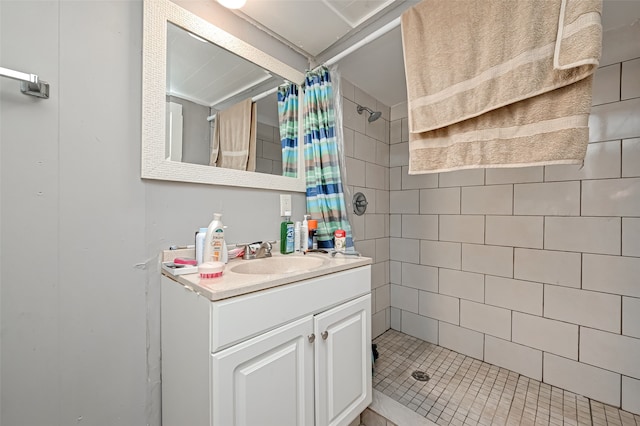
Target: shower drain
(420,376)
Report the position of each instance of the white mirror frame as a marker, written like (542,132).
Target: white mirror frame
(154,70)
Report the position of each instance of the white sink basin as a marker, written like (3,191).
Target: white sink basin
(278,265)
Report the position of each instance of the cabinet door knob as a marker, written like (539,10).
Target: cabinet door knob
(325,334)
(312,338)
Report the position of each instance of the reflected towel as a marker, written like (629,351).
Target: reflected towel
(494,83)
(233,145)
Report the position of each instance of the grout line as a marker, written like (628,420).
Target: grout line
(621,314)
(580,203)
(620,85)
(579,334)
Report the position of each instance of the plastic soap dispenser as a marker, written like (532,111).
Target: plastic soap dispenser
(286,235)
(214,240)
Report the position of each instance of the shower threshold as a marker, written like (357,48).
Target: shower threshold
(465,391)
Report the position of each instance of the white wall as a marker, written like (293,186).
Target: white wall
(532,269)
(80,230)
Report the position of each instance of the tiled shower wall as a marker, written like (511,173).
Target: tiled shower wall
(366,147)
(533,269)
(268,150)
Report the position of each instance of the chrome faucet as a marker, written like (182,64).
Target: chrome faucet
(263,250)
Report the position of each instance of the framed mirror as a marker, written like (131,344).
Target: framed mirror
(181,109)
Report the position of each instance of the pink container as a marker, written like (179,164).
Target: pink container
(211,270)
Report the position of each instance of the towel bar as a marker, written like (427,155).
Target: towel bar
(30,84)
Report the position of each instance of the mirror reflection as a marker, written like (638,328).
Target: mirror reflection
(222,110)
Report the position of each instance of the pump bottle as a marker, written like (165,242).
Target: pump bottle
(304,234)
(214,240)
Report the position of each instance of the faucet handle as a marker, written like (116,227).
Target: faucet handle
(267,246)
(248,253)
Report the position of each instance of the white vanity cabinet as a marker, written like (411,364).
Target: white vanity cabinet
(297,354)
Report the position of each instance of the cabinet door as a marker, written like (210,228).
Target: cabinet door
(267,380)
(343,362)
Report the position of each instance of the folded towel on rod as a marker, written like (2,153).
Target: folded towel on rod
(233,143)
(496,83)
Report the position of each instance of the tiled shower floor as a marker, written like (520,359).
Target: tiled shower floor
(465,391)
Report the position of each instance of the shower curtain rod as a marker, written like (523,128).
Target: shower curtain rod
(256,98)
(30,84)
(368,39)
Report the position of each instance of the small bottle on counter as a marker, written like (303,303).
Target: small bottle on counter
(304,234)
(286,235)
(296,236)
(313,230)
(214,240)
(200,236)
(340,240)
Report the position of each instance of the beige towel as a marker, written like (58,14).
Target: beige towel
(233,145)
(497,83)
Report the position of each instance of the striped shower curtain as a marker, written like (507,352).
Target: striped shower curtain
(288,117)
(325,198)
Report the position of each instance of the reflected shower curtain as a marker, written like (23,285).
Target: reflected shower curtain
(288,118)
(325,198)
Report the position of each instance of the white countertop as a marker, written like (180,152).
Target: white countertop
(233,284)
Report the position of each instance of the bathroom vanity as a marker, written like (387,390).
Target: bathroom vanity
(279,341)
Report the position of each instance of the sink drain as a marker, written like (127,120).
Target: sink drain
(420,376)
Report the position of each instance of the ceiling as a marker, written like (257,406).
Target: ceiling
(331,26)
(207,74)
(323,28)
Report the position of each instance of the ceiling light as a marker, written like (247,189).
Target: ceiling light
(232,4)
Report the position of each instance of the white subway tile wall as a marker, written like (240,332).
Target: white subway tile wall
(611,274)
(424,227)
(547,199)
(583,234)
(617,120)
(486,319)
(631,316)
(440,253)
(420,277)
(515,231)
(462,340)
(491,199)
(532,269)
(518,358)
(521,296)
(465,285)
(546,266)
(606,85)
(610,351)
(630,394)
(630,82)
(420,326)
(491,260)
(631,157)
(542,261)
(368,157)
(592,382)
(440,307)
(462,178)
(552,336)
(588,308)
(514,175)
(462,228)
(602,162)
